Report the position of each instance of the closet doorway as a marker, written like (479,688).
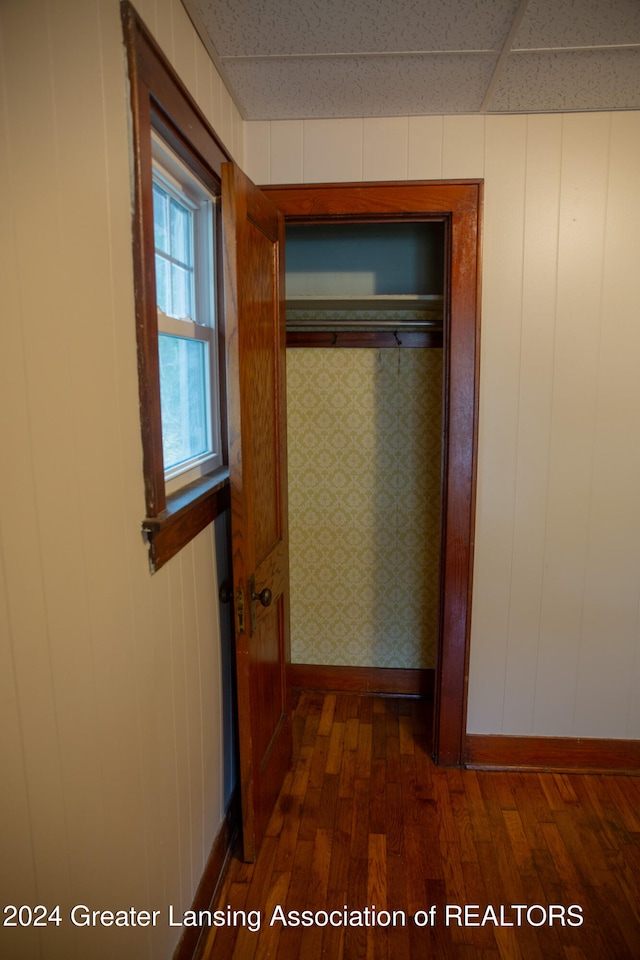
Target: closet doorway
(382,381)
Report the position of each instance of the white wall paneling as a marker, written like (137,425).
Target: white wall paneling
(112,706)
(385,148)
(556,629)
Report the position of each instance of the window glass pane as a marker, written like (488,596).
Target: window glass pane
(163,284)
(173,235)
(160,225)
(181,282)
(181,233)
(184,399)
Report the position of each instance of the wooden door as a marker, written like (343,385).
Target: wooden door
(255,329)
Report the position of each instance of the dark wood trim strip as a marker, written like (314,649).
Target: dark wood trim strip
(363,338)
(372,200)
(187,513)
(382,680)
(193,940)
(576,754)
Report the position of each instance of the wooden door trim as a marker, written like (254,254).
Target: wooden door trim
(459,203)
(386,681)
(577,754)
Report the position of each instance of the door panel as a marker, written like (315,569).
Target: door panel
(255,330)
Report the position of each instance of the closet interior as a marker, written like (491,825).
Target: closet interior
(365,310)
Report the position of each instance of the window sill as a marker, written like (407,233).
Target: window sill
(187,513)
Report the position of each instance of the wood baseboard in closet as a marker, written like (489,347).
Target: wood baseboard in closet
(381,680)
(192,943)
(558,754)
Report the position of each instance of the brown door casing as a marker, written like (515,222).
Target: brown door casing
(255,332)
(459,205)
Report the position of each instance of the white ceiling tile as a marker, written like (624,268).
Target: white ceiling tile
(296,59)
(360,86)
(295,27)
(569,80)
(579,23)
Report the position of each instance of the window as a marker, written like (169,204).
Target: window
(177,260)
(183,220)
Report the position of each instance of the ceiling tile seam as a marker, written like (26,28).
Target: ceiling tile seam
(259,58)
(607,48)
(497,111)
(504,55)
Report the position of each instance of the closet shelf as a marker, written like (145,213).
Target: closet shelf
(407,312)
(375,302)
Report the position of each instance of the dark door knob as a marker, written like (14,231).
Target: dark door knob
(264,596)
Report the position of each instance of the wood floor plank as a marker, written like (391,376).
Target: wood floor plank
(351,728)
(475,802)
(311,724)
(309,819)
(355,938)
(340,847)
(393,758)
(407,741)
(596,789)
(365,708)
(377,796)
(392,713)
(326,717)
(320,866)
(447,827)
(393,819)
(626,797)
(518,843)
(298,896)
(379,736)
(289,832)
(377,870)
(359,846)
(276,896)
(328,798)
(336,746)
(319,761)
(363,759)
(463,825)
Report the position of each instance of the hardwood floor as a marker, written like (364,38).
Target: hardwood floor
(365,820)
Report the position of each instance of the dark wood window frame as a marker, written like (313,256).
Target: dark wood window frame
(160,102)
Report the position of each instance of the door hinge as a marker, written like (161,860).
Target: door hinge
(240,610)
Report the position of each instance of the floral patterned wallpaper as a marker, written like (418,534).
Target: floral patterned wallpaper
(364,434)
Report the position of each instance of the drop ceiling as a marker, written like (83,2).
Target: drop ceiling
(292,59)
